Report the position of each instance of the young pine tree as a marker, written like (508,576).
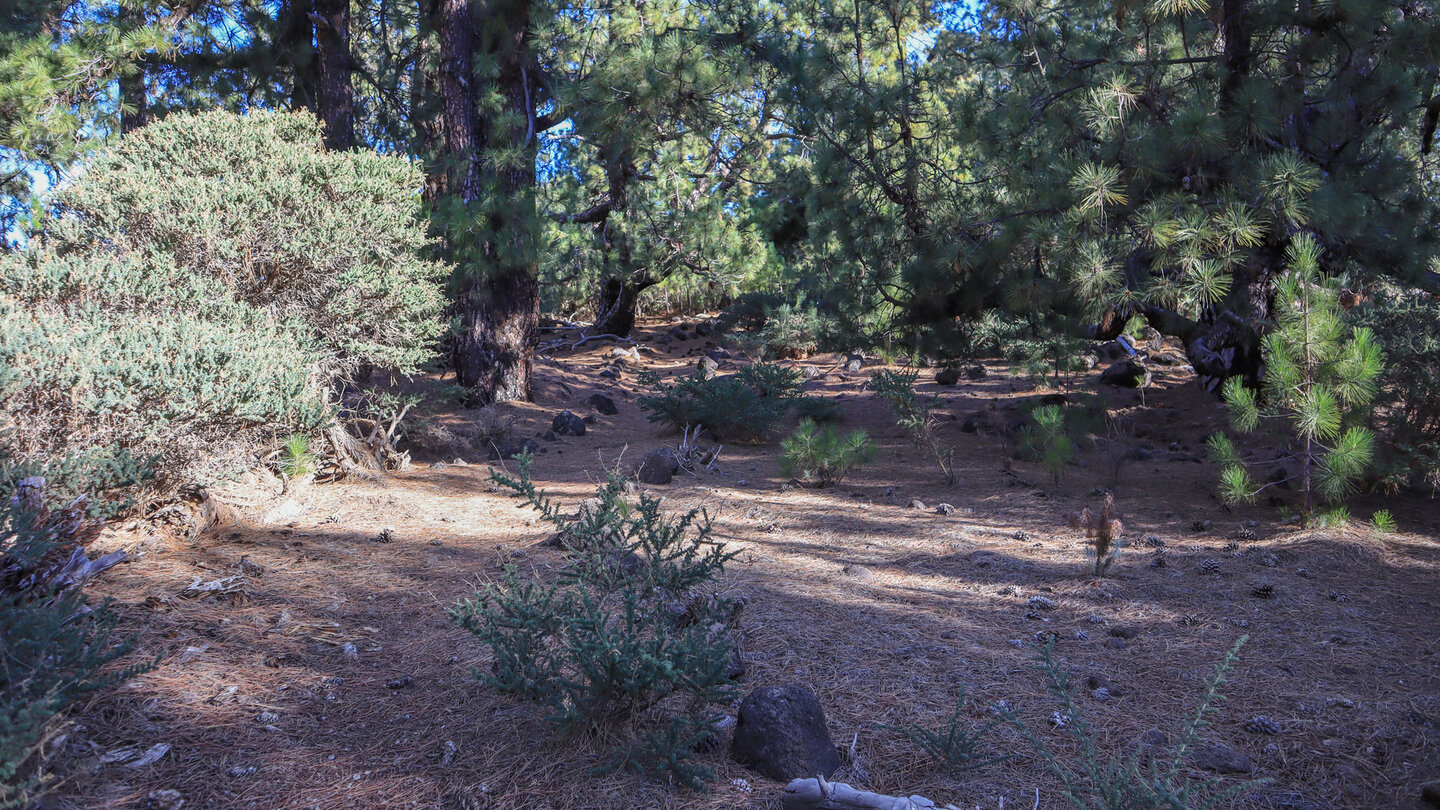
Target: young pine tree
(1320,378)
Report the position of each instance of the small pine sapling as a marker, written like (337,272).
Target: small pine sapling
(1383,521)
(1320,378)
(956,747)
(1104,529)
(916,414)
(1048,441)
(823,454)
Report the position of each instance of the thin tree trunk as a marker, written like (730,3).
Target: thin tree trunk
(295,49)
(617,302)
(335,96)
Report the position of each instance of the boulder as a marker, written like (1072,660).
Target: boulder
(948,375)
(854,363)
(657,467)
(566,423)
(1126,374)
(513,448)
(707,367)
(1221,759)
(781,733)
(705,328)
(603,404)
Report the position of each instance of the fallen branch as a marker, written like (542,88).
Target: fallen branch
(818,794)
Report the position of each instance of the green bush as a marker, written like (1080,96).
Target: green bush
(208,286)
(1409,395)
(956,747)
(823,454)
(606,646)
(57,651)
(916,414)
(1321,377)
(745,406)
(1047,442)
(1092,781)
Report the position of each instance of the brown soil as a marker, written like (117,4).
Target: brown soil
(1344,657)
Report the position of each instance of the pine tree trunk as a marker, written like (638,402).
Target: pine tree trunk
(498,302)
(616,304)
(295,49)
(335,95)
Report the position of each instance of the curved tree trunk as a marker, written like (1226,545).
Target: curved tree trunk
(616,304)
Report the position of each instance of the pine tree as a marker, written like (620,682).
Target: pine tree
(1320,379)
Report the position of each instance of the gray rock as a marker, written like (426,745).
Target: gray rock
(678,333)
(976,372)
(781,733)
(945,509)
(854,363)
(513,448)
(916,503)
(164,800)
(857,571)
(735,668)
(1221,759)
(705,328)
(658,467)
(566,423)
(603,404)
(707,367)
(1155,738)
(1126,374)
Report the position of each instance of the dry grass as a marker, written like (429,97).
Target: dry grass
(885,611)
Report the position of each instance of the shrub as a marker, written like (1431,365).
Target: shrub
(328,242)
(916,414)
(1047,442)
(745,406)
(1320,378)
(1383,521)
(57,651)
(210,282)
(605,645)
(1409,391)
(1125,783)
(819,409)
(1103,529)
(823,454)
(955,747)
(793,331)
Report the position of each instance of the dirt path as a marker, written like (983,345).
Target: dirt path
(335,679)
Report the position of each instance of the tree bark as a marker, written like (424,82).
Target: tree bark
(295,49)
(616,304)
(498,302)
(335,94)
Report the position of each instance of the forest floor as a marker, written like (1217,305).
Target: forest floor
(333,677)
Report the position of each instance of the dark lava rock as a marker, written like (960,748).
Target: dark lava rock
(1430,794)
(657,467)
(678,333)
(948,375)
(1221,759)
(976,372)
(1124,631)
(781,733)
(1116,643)
(1126,374)
(603,404)
(735,668)
(550,436)
(566,423)
(705,328)
(513,448)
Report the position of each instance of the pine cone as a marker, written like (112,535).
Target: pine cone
(1190,620)
(1261,724)
(1209,565)
(1266,591)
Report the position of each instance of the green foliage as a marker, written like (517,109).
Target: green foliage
(57,651)
(212,280)
(1047,442)
(918,415)
(1093,781)
(1409,414)
(328,243)
(601,647)
(955,747)
(819,409)
(823,454)
(787,330)
(1383,521)
(296,460)
(745,406)
(1321,376)
(1336,517)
